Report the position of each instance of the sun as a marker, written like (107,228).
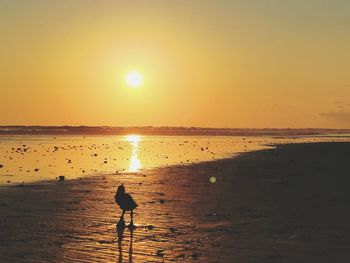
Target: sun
(134,79)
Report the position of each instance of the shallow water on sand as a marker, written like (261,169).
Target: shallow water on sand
(282,205)
(34,158)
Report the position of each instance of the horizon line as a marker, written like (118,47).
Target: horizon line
(171,127)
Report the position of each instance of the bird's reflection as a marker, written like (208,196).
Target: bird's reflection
(120,233)
(130,245)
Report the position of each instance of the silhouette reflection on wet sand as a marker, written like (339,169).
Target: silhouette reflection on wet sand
(126,203)
(120,234)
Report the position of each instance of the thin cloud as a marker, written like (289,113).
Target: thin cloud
(341,105)
(342,116)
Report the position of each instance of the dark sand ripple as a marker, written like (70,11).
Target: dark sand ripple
(288,204)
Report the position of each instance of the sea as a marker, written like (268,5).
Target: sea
(32,158)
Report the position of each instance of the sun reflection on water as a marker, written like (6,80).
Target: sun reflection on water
(135,164)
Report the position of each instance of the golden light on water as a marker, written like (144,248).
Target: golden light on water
(135,164)
(133,139)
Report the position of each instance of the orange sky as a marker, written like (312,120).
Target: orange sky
(204,63)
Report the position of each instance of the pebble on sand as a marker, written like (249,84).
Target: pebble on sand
(195,255)
(61,178)
(150,227)
(160,252)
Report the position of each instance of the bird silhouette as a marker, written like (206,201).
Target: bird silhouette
(126,203)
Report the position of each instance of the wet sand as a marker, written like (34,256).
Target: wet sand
(289,204)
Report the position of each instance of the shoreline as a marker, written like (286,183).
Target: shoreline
(271,205)
(33,161)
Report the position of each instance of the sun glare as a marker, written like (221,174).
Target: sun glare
(133,138)
(135,164)
(134,79)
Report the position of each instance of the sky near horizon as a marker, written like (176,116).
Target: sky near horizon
(203,63)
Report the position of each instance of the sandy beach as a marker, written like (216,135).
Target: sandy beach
(288,204)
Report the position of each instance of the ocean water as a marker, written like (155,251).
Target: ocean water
(32,158)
